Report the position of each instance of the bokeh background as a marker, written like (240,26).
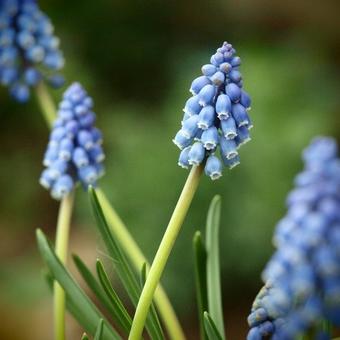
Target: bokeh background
(137,59)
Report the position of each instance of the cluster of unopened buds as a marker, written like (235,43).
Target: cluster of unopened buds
(303,277)
(216,115)
(29,51)
(74,152)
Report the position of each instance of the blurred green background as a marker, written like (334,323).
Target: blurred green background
(137,59)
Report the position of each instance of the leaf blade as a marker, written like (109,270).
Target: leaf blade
(100,293)
(122,265)
(213,264)
(83,308)
(210,328)
(200,262)
(121,313)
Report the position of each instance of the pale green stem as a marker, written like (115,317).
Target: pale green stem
(46,103)
(164,251)
(137,258)
(120,231)
(61,246)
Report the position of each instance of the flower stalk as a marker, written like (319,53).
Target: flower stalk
(164,251)
(46,103)
(61,247)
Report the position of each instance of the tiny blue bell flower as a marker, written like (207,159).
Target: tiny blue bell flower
(29,52)
(206,117)
(229,128)
(206,95)
(74,153)
(196,154)
(198,84)
(223,106)
(210,138)
(216,115)
(183,160)
(213,167)
(303,276)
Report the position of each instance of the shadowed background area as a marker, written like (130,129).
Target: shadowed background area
(137,60)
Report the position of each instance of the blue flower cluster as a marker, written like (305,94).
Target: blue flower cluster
(303,276)
(215,115)
(28,49)
(74,152)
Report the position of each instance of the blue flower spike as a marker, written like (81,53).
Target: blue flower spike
(74,152)
(29,51)
(302,279)
(216,116)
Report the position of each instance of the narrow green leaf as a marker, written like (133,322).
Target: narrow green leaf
(99,331)
(210,328)
(143,275)
(121,264)
(120,313)
(200,259)
(152,311)
(84,310)
(213,264)
(101,294)
(85,337)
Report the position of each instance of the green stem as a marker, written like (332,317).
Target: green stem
(163,252)
(46,103)
(117,226)
(61,246)
(137,258)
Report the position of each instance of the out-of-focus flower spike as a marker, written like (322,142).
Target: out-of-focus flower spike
(74,153)
(303,276)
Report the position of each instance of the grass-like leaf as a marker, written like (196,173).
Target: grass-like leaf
(99,331)
(213,264)
(103,296)
(200,259)
(122,266)
(85,337)
(83,308)
(152,311)
(210,328)
(120,313)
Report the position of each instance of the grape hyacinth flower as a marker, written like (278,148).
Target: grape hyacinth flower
(29,52)
(303,276)
(74,152)
(215,116)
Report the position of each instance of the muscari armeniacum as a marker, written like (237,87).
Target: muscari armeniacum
(302,279)
(215,116)
(29,51)
(74,152)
